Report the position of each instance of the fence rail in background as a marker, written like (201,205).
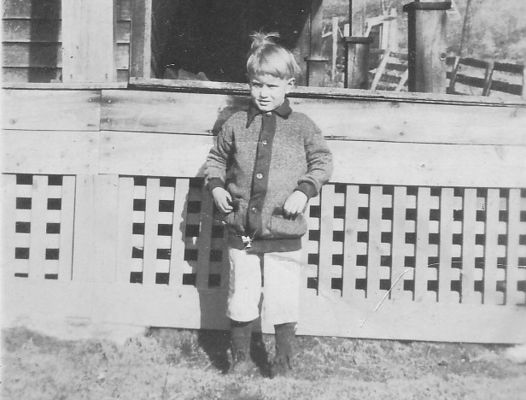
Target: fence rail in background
(466,76)
(409,241)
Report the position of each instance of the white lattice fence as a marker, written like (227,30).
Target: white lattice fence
(38,226)
(405,243)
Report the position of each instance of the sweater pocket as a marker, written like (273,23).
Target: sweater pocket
(281,227)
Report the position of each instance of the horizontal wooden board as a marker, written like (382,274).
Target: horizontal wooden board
(132,153)
(148,111)
(62,153)
(41,9)
(473,62)
(511,68)
(25,74)
(51,110)
(48,304)
(355,161)
(32,55)
(326,93)
(507,87)
(61,86)
(24,30)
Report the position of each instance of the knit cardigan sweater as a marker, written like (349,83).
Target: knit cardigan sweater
(261,159)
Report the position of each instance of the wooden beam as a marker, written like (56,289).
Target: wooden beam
(148,111)
(34,152)
(376,163)
(88,44)
(47,302)
(45,110)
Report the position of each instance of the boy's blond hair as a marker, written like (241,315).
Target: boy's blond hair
(266,57)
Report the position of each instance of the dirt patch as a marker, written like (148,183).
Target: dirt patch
(181,364)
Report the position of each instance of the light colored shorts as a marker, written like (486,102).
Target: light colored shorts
(275,275)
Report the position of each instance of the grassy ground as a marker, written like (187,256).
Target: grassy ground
(175,364)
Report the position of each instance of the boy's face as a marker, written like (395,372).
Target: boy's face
(268,91)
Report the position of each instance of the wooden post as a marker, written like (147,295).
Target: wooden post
(87,41)
(141,39)
(316,62)
(426,42)
(334,46)
(356,76)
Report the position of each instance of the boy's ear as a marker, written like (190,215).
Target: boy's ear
(290,84)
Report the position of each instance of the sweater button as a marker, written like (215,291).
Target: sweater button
(259,176)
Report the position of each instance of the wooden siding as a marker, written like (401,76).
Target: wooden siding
(123,14)
(107,218)
(31,41)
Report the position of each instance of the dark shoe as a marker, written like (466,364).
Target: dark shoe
(243,365)
(281,366)
(282,363)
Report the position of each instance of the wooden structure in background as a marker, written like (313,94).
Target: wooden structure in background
(357,73)
(477,77)
(427,46)
(420,235)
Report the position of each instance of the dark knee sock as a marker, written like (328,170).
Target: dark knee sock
(285,334)
(240,335)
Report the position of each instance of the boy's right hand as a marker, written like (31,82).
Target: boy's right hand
(223,200)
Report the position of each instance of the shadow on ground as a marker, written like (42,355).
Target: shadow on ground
(216,344)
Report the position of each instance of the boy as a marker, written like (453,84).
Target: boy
(265,166)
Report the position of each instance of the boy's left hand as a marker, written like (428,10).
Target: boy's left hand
(295,204)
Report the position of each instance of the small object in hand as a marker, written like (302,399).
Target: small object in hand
(247,241)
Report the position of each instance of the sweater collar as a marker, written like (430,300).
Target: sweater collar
(283,111)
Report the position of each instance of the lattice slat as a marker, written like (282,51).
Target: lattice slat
(469,214)
(374,243)
(204,242)
(178,233)
(351,243)
(490,246)
(38,227)
(150,231)
(422,244)
(398,253)
(513,296)
(445,248)
(312,246)
(66,228)
(326,223)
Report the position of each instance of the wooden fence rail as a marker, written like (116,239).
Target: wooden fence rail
(106,218)
(466,76)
